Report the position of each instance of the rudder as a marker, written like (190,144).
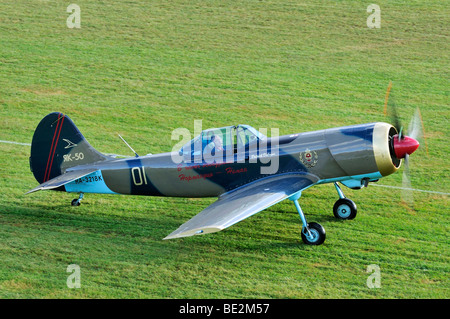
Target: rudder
(57,145)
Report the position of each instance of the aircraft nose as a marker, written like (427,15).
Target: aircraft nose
(406,145)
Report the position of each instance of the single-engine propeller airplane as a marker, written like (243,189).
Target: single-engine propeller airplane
(226,163)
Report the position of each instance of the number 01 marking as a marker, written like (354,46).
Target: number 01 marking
(139,177)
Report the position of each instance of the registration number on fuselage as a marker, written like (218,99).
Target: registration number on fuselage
(89,179)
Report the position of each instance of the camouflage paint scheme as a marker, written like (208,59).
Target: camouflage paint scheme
(62,159)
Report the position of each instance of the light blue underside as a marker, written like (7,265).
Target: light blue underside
(92,183)
(370,176)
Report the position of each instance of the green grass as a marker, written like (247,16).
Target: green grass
(142,69)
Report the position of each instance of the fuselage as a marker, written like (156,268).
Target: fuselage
(353,154)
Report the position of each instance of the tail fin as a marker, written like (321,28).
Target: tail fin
(57,145)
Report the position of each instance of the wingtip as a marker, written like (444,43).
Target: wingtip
(33,190)
(176,234)
(193,232)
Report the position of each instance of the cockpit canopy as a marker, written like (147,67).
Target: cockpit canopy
(224,140)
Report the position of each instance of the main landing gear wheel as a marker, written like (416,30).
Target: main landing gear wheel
(344,209)
(313,234)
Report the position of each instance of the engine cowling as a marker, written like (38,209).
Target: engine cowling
(388,150)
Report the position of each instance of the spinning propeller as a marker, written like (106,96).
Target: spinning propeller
(404,145)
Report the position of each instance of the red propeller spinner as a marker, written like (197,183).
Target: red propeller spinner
(404,145)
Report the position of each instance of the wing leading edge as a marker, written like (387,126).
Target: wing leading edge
(244,202)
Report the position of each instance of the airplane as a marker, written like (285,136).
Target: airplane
(229,163)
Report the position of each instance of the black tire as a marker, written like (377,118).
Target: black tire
(344,209)
(75,202)
(318,233)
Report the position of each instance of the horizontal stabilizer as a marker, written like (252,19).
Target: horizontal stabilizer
(244,202)
(63,179)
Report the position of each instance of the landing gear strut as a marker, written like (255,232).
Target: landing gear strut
(344,208)
(312,233)
(77,201)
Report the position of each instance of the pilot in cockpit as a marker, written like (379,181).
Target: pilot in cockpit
(214,145)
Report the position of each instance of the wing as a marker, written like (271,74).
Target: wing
(63,179)
(244,202)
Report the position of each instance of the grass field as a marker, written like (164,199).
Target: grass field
(144,68)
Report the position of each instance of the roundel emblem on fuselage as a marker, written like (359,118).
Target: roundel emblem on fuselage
(309,158)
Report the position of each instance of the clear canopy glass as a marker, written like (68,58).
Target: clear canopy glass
(223,140)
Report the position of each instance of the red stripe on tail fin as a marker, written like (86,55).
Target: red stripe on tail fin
(54,149)
(51,149)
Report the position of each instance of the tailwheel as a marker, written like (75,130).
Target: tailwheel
(344,209)
(313,234)
(77,201)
